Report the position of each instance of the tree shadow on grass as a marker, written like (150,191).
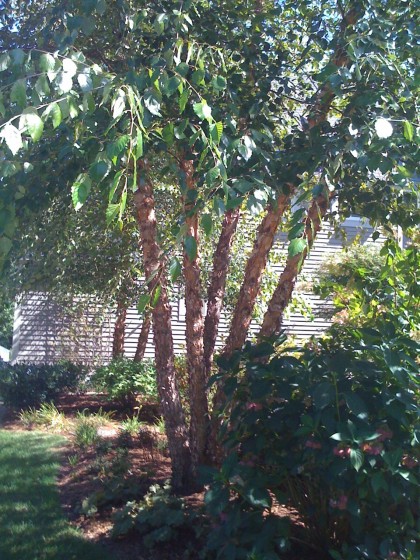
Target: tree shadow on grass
(32,524)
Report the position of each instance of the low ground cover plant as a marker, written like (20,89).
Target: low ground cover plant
(331,430)
(126,381)
(160,517)
(24,385)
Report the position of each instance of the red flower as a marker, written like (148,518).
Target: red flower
(341,451)
(372,448)
(340,504)
(312,444)
(385,433)
(409,462)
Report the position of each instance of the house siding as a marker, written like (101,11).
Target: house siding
(45,332)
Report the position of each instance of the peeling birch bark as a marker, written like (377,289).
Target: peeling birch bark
(194,330)
(255,267)
(119,331)
(273,317)
(217,286)
(143,338)
(178,440)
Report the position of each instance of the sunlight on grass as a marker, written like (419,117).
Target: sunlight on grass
(32,525)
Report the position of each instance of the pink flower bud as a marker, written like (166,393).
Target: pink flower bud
(254,406)
(409,462)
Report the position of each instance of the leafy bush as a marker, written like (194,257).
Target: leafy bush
(160,518)
(332,431)
(124,380)
(368,283)
(7,306)
(23,385)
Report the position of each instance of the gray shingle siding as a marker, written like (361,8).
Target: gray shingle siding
(44,332)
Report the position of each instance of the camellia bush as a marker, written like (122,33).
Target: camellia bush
(23,385)
(331,431)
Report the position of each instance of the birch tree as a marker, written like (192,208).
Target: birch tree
(253,107)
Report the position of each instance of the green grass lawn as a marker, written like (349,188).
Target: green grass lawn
(32,525)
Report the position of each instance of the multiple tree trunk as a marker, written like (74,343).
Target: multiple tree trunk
(188,449)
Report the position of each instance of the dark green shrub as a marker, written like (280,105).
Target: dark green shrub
(124,380)
(332,431)
(23,385)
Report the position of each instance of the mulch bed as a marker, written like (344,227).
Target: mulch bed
(148,465)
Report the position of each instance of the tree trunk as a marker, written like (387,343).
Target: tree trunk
(273,317)
(173,414)
(194,329)
(217,286)
(255,267)
(119,331)
(143,337)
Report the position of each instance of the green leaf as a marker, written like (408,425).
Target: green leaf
(356,458)
(207,223)
(172,85)
(47,62)
(258,497)
(139,144)
(202,110)
(323,394)
(212,176)
(408,131)
(56,114)
(244,151)
(4,62)
(80,190)
(118,105)
(143,302)
(190,246)
(216,131)
(31,123)
(183,98)
(42,86)
(115,148)
(114,186)
(156,295)
(12,137)
(198,76)
(69,67)
(168,134)
(99,169)
(152,102)
(356,404)
(296,247)
(64,82)
(18,93)
(219,83)
(296,231)
(174,269)
(378,482)
(111,213)
(5,245)
(85,82)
